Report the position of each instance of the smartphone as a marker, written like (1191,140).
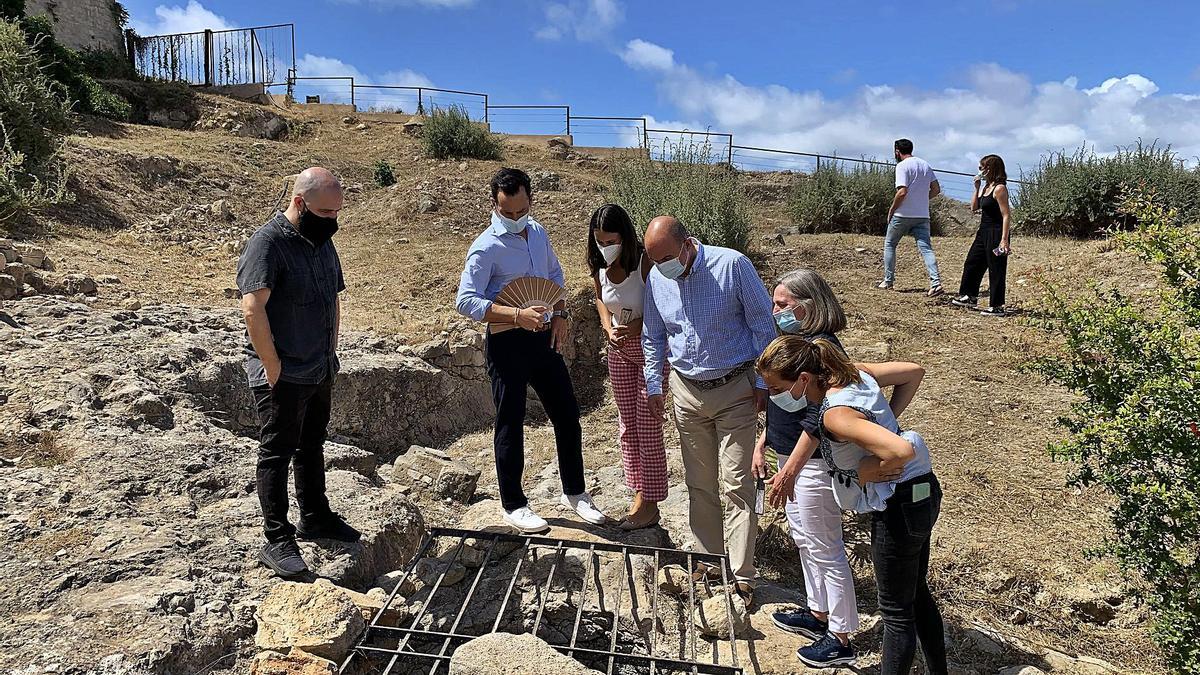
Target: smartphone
(1000,251)
(760,497)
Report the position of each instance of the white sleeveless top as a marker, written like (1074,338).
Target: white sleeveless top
(842,458)
(628,295)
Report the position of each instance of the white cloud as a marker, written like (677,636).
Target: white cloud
(998,110)
(175,19)
(648,56)
(313,65)
(585,20)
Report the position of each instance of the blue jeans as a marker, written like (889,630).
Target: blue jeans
(919,228)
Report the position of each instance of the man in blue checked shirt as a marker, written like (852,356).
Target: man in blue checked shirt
(514,245)
(708,313)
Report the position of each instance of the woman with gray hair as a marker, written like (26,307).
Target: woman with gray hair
(805,305)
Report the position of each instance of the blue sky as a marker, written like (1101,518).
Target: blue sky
(961,79)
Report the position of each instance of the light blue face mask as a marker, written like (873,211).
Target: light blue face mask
(514,226)
(784,400)
(672,268)
(787,321)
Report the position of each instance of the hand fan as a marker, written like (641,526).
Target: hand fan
(527,292)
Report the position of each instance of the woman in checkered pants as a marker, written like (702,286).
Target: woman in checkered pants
(619,266)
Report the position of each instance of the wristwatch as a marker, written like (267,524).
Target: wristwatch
(563,313)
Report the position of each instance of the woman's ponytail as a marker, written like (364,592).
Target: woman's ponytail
(838,371)
(789,355)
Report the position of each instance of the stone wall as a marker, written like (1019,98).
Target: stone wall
(80,24)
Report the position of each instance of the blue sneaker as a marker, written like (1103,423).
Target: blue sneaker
(827,652)
(802,622)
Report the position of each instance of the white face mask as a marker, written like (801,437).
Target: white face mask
(672,268)
(785,400)
(610,253)
(514,226)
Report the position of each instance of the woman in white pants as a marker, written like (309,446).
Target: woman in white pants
(805,305)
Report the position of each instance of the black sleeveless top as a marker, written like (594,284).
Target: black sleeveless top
(991,218)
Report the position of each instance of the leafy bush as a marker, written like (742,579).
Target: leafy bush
(34,118)
(450,133)
(106,64)
(836,199)
(1079,194)
(67,67)
(383,173)
(1135,363)
(685,181)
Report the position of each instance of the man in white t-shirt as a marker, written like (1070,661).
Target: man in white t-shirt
(916,184)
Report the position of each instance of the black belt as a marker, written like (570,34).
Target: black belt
(720,381)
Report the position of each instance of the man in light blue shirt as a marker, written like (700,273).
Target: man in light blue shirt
(525,353)
(708,314)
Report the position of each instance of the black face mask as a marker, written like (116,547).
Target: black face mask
(314,228)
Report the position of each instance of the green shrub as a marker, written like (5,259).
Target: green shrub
(450,133)
(685,181)
(106,64)
(384,175)
(1135,365)
(834,198)
(66,66)
(1079,194)
(35,116)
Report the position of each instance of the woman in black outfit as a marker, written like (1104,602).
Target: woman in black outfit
(990,249)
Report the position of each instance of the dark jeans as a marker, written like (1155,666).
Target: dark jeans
(979,259)
(292,419)
(900,552)
(517,359)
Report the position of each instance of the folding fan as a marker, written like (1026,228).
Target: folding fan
(527,292)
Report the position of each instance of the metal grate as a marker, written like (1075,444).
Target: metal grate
(425,641)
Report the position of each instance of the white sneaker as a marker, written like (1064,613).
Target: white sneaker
(884,285)
(525,520)
(582,505)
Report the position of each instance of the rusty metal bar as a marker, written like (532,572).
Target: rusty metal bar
(729,615)
(654,609)
(466,601)
(511,583)
(691,623)
(583,598)
(549,585)
(612,648)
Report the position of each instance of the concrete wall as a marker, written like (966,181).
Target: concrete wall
(81,23)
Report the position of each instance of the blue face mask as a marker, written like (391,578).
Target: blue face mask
(787,321)
(514,226)
(785,400)
(672,268)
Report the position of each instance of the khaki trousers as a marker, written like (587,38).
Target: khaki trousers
(717,430)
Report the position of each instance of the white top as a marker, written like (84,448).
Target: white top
(628,295)
(915,174)
(842,457)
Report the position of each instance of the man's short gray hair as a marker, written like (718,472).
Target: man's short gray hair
(822,311)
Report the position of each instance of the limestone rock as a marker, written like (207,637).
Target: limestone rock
(505,654)
(361,127)
(349,458)
(317,618)
(673,580)
(427,204)
(274,128)
(545,181)
(1091,604)
(30,255)
(296,663)
(712,616)
(437,470)
(74,284)
(1022,670)
(9,288)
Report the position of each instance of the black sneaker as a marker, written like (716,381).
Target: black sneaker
(330,526)
(965,301)
(827,652)
(993,311)
(284,558)
(802,622)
